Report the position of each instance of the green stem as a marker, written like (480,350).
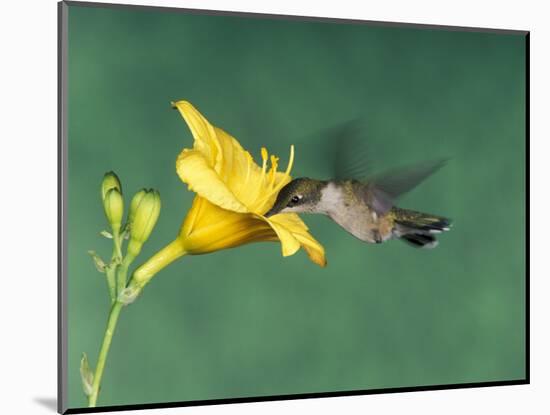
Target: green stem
(143,274)
(107,338)
(110,273)
(122,274)
(117,249)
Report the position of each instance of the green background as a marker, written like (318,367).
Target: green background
(246,322)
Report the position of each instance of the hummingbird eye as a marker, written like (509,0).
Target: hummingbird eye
(294,200)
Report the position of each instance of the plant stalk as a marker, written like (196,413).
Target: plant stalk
(107,338)
(110,272)
(122,273)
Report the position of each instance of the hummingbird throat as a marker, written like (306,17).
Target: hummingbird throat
(332,199)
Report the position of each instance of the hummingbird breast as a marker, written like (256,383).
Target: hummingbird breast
(342,205)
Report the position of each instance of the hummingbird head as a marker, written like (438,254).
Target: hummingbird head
(300,195)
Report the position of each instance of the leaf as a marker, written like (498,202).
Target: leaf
(98,262)
(86,375)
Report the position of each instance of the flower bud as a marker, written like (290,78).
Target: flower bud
(113,204)
(110,181)
(144,220)
(134,205)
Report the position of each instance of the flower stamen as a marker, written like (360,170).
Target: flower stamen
(283,180)
(264,168)
(273,171)
(264,159)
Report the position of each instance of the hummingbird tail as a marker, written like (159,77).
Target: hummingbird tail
(419,229)
(419,240)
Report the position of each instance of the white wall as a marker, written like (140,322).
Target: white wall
(28,204)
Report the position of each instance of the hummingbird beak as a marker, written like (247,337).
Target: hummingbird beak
(271,212)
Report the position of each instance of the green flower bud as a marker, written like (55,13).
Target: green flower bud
(144,220)
(110,181)
(113,204)
(134,205)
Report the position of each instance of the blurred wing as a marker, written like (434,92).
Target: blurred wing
(381,190)
(349,147)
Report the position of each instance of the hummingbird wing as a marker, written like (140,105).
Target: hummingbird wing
(350,150)
(353,159)
(380,191)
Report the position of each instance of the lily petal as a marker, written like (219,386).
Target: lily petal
(233,194)
(246,184)
(201,178)
(314,249)
(299,229)
(202,131)
(289,244)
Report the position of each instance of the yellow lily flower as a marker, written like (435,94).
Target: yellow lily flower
(233,194)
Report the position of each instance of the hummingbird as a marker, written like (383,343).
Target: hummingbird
(366,208)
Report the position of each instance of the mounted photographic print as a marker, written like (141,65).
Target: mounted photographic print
(259,207)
